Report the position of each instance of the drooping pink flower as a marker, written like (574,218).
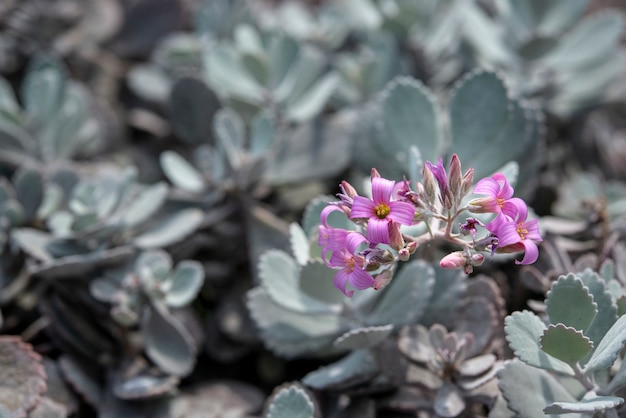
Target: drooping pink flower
(380,210)
(329,238)
(517,233)
(499,196)
(351,265)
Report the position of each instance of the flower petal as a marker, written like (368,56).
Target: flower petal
(362,207)
(507,234)
(341,280)
(338,259)
(506,191)
(336,238)
(531,253)
(381,190)
(515,208)
(353,240)
(327,211)
(360,279)
(378,231)
(532,226)
(401,212)
(487,186)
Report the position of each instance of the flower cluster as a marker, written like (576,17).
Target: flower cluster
(367,255)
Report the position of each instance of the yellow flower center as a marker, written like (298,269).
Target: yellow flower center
(349,262)
(500,201)
(382,210)
(522,231)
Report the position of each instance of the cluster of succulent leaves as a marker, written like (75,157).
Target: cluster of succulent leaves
(163,166)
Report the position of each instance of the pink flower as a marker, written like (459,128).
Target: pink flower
(351,266)
(381,211)
(499,196)
(517,234)
(329,238)
(440,174)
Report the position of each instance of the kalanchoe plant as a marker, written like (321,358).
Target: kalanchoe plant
(367,256)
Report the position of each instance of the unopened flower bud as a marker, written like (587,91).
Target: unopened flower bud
(477,259)
(430,185)
(466,184)
(381,280)
(404,254)
(374,174)
(455,178)
(411,247)
(348,190)
(452,261)
(395,236)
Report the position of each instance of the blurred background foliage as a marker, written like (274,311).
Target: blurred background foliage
(163,164)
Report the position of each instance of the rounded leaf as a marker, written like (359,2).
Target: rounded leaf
(290,402)
(186,281)
(182,174)
(192,106)
(171,230)
(145,204)
(363,337)
(569,302)
(565,343)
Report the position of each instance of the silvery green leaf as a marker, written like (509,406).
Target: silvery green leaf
(145,205)
(33,242)
(411,117)
(228,76)
(14,137)
(279,274)
(186,282)
(299,243)
(150,82)
(600,403)
(607,309)
(104,290)
(312,101)
(14,212)
(291,402)
(445,301)
(357,367)
(316,281)
(192,106)
(29,190)
(62,138)
(476,366)
(158,262)
(569,302)
(289,333)
(449,401)
(487,128)
(145,386)
(547,18)
(363,337)
(182,174)
(565,343)
(609,348)
(173,229)
(405,299)
(52,200)
(303,73)
(43,88)
(484,34)
(523,332)
(230,131)
(8,103)
(262,134)
(528,389)
(594,39)
(167,342)
(283,52)
(414,342)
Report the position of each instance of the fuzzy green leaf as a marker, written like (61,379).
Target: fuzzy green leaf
(262,133)
(192,106)
(446,298)
(167,342)
(186,282)
(29,190)
(230,131)
(600,403)
(171,230)
(316,281)
(609,348)
(411,117)
(607,309)
(569,302)
(181,173)
(299,243)
(357,367)
(227,75)
(145,204)
(406,297)
(312,102)
(527,389)
(363,337)
(43,89)
(523,331)
(291,402)
(565,343)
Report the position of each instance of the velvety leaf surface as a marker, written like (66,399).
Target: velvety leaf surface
(22,376)
(316,281)
(446,298)
(363,337)
(565,343)
(523,332)
(186,282)
(609,348)
(299,243)
(145,204)
(290,402)
(357,367)
(600,403)
(167,342)
(181,173)
(528,390)
(607,309)
(570,303)
(192,106)
(171,230)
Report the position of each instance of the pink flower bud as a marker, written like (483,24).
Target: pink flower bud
(348,190)
(374,174)
(455,178)
(452,261)
(466,184)
(395,236)
(430,185)
(381,280)
(411,246)
(404,254)
(478,259)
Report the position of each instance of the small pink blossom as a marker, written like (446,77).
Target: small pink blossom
(454,260)
(380,211)
(329,238)
(499,196)
(351,265)
(440,174)
(517,234)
